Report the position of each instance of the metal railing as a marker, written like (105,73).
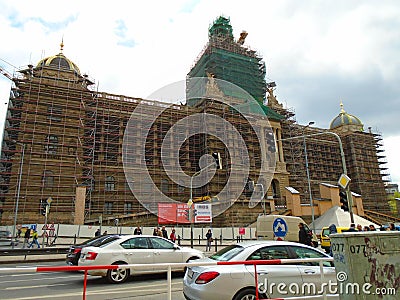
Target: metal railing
(168,267)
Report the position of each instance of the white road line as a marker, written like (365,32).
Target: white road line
(33,279)
(34,286)
(143,288)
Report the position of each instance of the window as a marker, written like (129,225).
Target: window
(272,252)
(181,187)
(110,183)
(48,179)
(164,186)
(127,187)
(136,243)
(159,243)
(108,207)
(54,112)
(51,144)
(309,253)
(128,207)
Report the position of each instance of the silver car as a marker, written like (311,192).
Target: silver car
(135,249)
(237,282)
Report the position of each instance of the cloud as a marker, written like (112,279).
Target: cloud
(317,53)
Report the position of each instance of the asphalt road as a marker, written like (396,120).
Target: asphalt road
(69,285)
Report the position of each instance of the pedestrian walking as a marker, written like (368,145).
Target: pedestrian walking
(304,236)
(35,240)
(27,236)
(97,233)
(209,240)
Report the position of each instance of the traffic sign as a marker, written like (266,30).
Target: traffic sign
(49,200)
(189,203)
(344,181)
(279,227)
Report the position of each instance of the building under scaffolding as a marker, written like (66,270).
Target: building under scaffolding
(64,134)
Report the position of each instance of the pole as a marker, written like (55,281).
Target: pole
(44,233)
(348,192)
(190,209)
(21,164)
(309,183)
(191,201)
(308,175)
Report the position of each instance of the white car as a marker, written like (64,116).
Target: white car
(237,282)
(135,249)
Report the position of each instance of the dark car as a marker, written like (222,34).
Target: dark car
(74,251)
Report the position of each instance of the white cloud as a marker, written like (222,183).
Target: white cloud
(317,52)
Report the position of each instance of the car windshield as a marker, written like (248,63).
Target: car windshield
(95,241)
(227,253)
(104,241)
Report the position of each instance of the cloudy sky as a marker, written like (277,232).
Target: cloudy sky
(318,52)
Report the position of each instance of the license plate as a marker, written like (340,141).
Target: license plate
(190,273)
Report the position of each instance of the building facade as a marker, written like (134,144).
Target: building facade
(61,134)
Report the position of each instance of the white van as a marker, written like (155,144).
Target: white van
(277,227)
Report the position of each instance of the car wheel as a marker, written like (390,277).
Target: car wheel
(246,294)
(117,275)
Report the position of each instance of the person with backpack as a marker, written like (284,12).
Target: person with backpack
(35,240)
(27,236)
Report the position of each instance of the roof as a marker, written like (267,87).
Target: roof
(60,62)
(345,119)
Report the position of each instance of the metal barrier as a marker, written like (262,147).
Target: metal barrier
(168,267)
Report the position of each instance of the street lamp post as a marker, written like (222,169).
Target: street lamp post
(308,175)
(191,202)
(21,164)
(348,192)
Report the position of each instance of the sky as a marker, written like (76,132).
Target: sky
(319,53)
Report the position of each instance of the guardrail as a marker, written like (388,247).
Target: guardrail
(168,267)
(36,251)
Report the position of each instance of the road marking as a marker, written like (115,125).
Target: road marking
(135,289)
(33,279)
(34,286)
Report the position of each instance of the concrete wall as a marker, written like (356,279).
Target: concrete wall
(87,231)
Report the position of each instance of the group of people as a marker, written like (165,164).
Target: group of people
(31,233)
(164,233)
(98,232)
(172,236)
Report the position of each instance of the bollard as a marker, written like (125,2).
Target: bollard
(199,239)
(179,240)
(74,239)
(220,239)
(216,245)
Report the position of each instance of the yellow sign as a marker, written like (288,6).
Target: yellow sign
(344,181)
(202,198)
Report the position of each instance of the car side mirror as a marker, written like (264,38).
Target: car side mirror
(176,247)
